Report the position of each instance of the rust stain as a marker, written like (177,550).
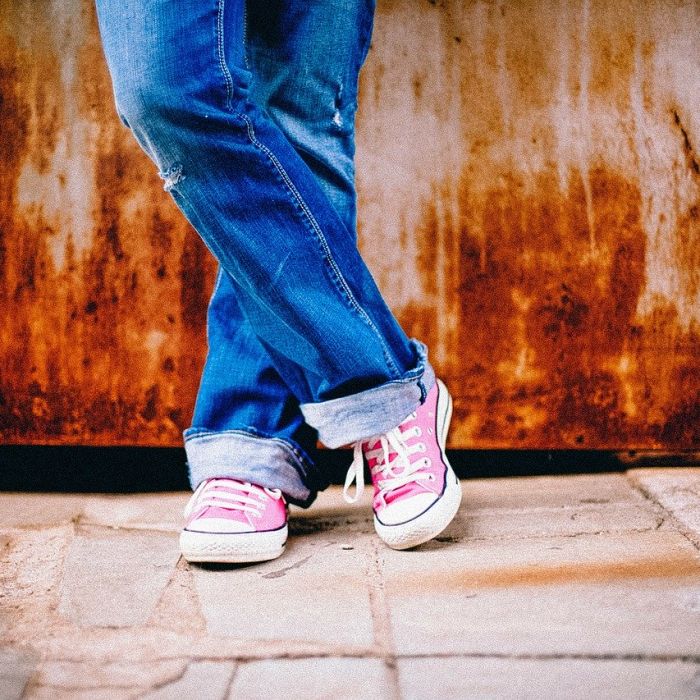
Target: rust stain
(550,574)
(523,53)
(529,244)
(688,148)
(550,352)
(101,349)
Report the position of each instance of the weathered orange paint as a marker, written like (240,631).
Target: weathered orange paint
(529,191)
(102,336)
(529,182)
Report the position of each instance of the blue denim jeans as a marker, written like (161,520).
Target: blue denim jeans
(248,114)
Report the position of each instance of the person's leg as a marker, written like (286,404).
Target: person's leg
(292,262)
(311,94)
(245,419)
(308,85)
(305,60)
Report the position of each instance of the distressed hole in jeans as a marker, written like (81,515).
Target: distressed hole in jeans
(172,176)
(337,116)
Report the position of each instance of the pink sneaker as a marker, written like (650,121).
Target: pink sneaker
(416,493)
(234,522)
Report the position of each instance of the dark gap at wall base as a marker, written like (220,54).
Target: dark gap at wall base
(84,469)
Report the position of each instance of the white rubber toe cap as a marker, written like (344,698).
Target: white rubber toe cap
(406,509)
(232,548)
(426,525)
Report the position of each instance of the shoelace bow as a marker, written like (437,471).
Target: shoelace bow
(390,473)
(246,497)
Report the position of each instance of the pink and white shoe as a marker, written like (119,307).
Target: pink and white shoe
(416,492)
(234,522)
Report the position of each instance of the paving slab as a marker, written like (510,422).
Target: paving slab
(676,490)
(115,579)
(634,593)
(331,517)
(86,675)
(318,592)
(31,567)
(32,510)
(161,511)
(331,503)
(543,585)
(313,679)
(473,524)
(50,693)
(502,508)
(16,668)
(534,679)
(204,680)
(520,493)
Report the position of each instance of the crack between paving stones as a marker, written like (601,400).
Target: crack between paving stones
(580,507)
(226,648)
(33,681)
(80,521)
(665,658)
(181,577)
(509,538)
(229,686)
(236,658)
(87,526)
(689,535)
(381,621)
(109,528)
(170,681)
(137,689)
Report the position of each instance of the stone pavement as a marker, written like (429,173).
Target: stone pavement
(547,587)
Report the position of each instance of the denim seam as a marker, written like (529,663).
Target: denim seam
(245,35)
(349,296)
(299,458)
(220,53)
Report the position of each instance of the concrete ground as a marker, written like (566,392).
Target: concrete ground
(548,587)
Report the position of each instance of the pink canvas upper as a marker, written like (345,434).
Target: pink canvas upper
(228,505)
(424,466)
(406,464)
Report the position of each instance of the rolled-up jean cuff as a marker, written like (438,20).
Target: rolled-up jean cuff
(374,411)
(266,461)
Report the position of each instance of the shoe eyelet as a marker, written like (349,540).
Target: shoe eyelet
(418,432)
(430,431)
(427,462)
(421,446)
(431,477)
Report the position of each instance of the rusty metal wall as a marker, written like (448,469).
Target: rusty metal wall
(103,287)
(529,202)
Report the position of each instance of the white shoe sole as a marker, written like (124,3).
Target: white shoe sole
(435,519)
(232,548)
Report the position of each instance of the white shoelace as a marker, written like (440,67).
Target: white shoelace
(392,474)
(247,497)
